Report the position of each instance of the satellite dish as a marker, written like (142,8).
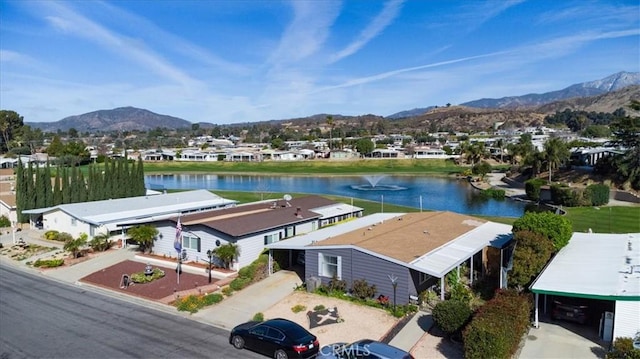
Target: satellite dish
(287,197)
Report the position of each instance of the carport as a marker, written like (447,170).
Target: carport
(603,269)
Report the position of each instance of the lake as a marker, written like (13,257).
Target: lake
(433,193)
(424,192)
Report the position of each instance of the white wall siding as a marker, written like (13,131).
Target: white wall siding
(627,319)
(62,222)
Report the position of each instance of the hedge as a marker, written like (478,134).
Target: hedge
(598,193)
(497,328)
(555,227)
(451,315)
(532,188)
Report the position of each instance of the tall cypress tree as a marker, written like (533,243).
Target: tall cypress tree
(20,193)
(141,189)
(82,188)
(30,193)
(75,185)
(66,188)
(57,190)
(39,189)
(48,192)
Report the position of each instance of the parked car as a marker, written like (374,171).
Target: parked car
(569,311)
(277,338)
(362,349)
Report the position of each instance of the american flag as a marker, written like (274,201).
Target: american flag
(177,244)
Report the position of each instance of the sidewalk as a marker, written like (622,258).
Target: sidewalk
(256,298)
(409,336)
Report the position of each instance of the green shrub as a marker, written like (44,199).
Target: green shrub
(555,227)
(481,168)
(532,188)
(462,293)
(598,193)
(213,298)
(140,277)
(4,222)
(362,290)
(228,291)
(298,308)
(497,328)
(193,303)
(258,317)
(51,235)
(48,263)
(532,252)
(563,195)
(623,349)
(100,244)
(451,315)
(247,272)
(63,237)
(337,285)
(493,193)
(319,307)
(239,283)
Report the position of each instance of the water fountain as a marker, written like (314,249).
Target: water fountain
(374,184)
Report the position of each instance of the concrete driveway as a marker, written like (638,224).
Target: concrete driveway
(562,340)
(256,298)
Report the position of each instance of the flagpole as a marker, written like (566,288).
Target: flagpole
(177,244)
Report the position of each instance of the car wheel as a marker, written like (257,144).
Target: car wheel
(238,342)
(280,354)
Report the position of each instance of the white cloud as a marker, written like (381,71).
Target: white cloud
(383,20)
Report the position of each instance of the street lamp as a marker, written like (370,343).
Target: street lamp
(394,283)
(210,256)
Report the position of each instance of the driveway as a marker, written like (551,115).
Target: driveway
(256,298)
(562,340)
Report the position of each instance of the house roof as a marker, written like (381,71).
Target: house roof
(301,242)
(594,265)
(409,236)
(430,242)
(257,217)
(136,208)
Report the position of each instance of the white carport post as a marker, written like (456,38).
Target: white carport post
(536,323)
(471,271)
(442,288)
(270,262)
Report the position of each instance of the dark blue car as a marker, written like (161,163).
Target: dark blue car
(277,338)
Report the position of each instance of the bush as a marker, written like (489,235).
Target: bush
(228,291)
(100,244)
(4,222)
(239,283)
(337,285)
(623,349)
(460,292)
(140,277)
(481,168)
(48,263)
(258,317)
(532,252)
(193,303)
(555,227)
(532,188)
(319,307)
(563,195)
(497,328)
(451,315)
(598,193)
(63,237)
(51,235)
(493,193)
(298,308)
(362,290)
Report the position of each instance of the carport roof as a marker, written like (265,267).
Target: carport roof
(594,265)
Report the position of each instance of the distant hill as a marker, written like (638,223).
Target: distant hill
(586,89)
(607,102)
(411,113)
(118,119)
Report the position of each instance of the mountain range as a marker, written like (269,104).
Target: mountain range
(604,95)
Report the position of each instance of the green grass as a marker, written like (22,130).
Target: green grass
(407,166)
(605,219)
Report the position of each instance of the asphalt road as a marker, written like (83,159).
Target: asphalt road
(43,318)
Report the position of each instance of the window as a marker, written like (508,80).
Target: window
(271,238)
(422,277)
(329,266)
(190,242)
(275,334)
(74,222)
(289,232)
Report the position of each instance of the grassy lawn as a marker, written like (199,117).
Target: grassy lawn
(350,167)
(605,219)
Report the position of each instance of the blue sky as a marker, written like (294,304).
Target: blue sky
(244,61)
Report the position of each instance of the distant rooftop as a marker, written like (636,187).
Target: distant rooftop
(594,265)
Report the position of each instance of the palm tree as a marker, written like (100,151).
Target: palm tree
(144,236)
(501,144)
(555,153)
(330,123)
(227,253)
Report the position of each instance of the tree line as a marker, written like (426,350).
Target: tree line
(40,188)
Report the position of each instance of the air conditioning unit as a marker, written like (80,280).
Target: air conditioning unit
(313,283)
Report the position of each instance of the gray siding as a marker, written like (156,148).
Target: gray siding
(358,265)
